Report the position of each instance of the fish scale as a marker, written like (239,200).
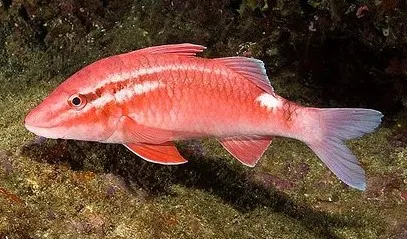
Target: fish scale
(148,98)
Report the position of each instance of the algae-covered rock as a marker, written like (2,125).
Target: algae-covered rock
(315,54)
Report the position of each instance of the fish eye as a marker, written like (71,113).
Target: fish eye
(77,101)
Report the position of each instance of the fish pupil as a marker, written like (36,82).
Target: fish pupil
(76,101)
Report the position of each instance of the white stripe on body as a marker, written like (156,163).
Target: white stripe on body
(120,96)
(127,93)
(140,88)
(124,76)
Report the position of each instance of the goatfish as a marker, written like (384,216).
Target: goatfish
(149,98)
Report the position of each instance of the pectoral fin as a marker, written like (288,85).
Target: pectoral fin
(165,153)
(248,150)
(135,132)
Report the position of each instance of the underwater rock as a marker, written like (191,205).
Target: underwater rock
(400,231)
(5,162)
(268,180)
(379,187)
(350,63)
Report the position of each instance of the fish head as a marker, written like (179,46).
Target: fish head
(71,111)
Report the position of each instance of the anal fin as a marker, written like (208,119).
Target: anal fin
(248,150)
(165,153)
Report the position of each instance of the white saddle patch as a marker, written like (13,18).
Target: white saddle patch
(269,101)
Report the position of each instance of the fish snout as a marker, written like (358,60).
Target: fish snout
(35,118)
(41,121)
(46,114)
(35,123)
(30,119)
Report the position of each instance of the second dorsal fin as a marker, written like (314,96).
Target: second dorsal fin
(185,49)
(250,68)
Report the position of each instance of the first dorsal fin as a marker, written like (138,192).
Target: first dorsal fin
(250,68)
(185,49)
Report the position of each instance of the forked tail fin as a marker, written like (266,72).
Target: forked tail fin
(336,126)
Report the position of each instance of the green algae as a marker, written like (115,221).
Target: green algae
(70,189)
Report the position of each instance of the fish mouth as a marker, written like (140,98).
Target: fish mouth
(47,132)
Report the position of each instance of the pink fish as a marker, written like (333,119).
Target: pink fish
(148,98)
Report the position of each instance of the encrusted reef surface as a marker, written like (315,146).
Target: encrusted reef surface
(321,53)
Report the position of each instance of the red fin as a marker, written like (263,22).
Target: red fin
(138,133)
(135,132)
(250,68)
(185,49)
(247,150)
(157,153)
